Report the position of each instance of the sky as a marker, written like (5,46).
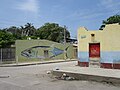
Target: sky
(72,13)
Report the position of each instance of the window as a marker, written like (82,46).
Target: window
(46,54)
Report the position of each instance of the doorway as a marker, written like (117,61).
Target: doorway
(94,50)
(46,54)
(94,55)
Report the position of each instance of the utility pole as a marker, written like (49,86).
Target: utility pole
(64,42)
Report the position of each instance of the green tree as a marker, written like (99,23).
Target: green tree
(28,30)
(111,20)
(15,31)
(6,39)
(52,31)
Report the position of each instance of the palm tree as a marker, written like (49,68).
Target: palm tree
(28,30)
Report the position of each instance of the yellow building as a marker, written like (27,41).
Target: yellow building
(99,47)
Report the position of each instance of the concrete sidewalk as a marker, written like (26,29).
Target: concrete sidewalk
(92,74)
(35,63)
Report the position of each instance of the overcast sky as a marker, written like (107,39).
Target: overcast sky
(72,13)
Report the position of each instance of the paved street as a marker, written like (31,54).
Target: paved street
(34,77)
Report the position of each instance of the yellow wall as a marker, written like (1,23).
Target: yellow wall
(109,38)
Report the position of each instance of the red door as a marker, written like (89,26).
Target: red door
(94,50)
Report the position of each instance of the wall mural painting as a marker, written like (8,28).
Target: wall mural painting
(43,52)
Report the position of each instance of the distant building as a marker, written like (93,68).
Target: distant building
(99,48)
(72,41)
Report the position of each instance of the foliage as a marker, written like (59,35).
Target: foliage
(49,31)
(52,31)
(15,31)
(6,39)
(23,32)
(112,19)
(28,30)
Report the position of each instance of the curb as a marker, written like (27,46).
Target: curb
(37,63)
(88,77)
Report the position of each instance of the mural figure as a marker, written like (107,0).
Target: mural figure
(39,52)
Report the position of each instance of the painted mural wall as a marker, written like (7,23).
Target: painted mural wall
(109,39)
(29,50)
